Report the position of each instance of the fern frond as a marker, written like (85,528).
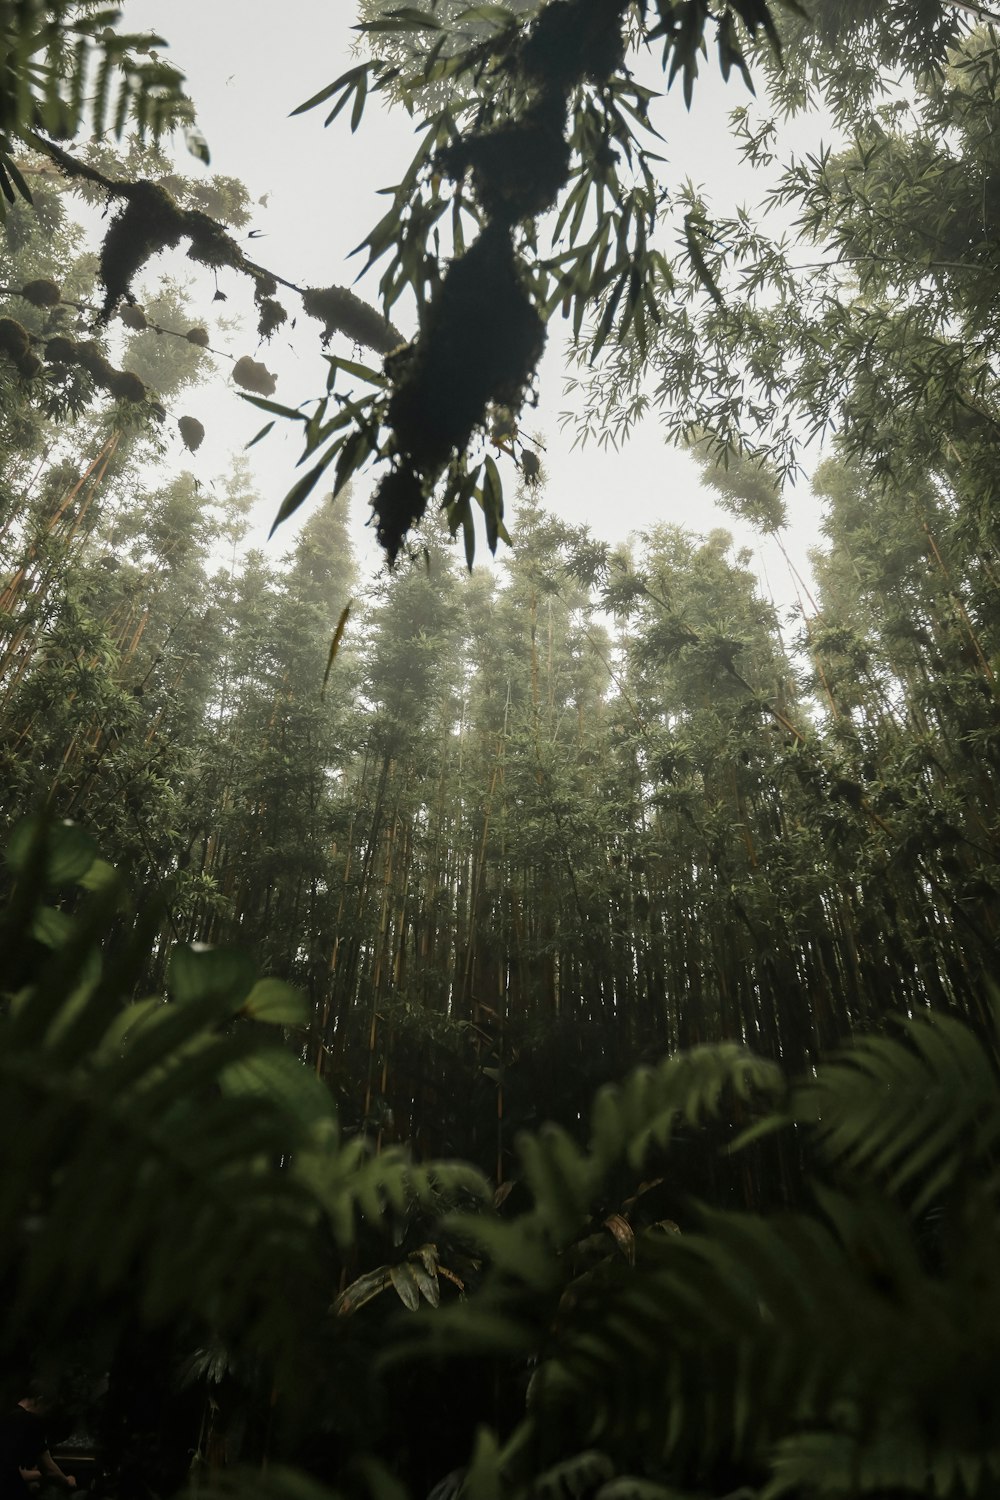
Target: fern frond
(901,1462)
(133,1155)
(908,1111)
(567,1181)
(527,1265)
(757,1328)
(352,1185)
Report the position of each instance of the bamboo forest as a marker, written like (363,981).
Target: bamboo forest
(513,1027)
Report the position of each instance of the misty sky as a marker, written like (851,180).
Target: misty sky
(249,63)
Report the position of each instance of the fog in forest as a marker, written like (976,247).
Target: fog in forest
(499,636)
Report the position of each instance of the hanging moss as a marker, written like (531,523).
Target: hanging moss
(125,385)
(29,365)
(271,316)
(531,466)
(519,169)
(149,222)
(482,336)
(14,338)
(133,316)
(91,359)
(481,342)
(340,311)
(253,376)
(192,433)
(41,293)
(212,246)
(60,350)
(575,41)
(398,503)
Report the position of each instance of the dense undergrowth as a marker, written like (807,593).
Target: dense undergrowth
(185,1185)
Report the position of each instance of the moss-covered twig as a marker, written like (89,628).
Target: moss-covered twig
(149,221)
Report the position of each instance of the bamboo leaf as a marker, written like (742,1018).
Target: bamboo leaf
(303,488)
(348,81)
(404,19)
(195,974)
(405,1283)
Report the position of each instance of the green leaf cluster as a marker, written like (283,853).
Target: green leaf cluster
(522,112)
(845,1344)
(66,67)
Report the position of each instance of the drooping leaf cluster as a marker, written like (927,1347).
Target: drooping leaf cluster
(532,111)
(872,315)
(65,68)
(540,113)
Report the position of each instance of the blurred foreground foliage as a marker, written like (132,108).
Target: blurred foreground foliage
(170,1165)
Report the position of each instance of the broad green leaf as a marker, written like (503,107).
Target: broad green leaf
(379,1481)
(69,850)
(483,1479)
(130,1021)
(75,1003)
(52,927)
(99,876)
(197,974)
(275,1001)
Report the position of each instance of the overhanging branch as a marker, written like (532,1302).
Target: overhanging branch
(150,221)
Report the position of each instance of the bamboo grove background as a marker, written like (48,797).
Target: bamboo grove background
(539,825)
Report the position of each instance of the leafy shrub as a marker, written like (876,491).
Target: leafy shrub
(170,1159)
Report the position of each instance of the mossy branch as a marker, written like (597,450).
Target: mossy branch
(150,220)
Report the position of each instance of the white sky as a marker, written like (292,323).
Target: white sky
(245,75)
